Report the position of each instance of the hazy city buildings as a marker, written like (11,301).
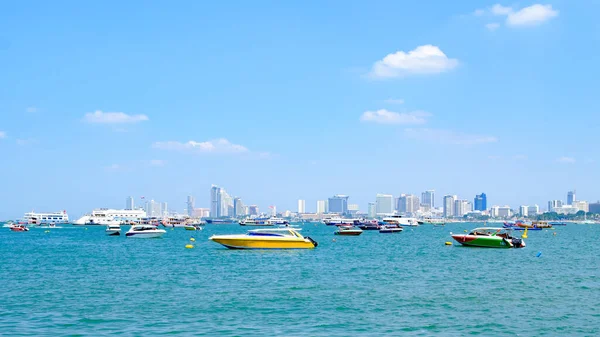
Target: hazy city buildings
(164,209)
(501,211)
(553,204)
(353,208)
(191,205)
(253,210)
(461,207)
(321,207)
(428,198)
(301,206)
(338,204)
(594,207)
(371,210)
(480,202)
(449,206)
(129,204)
(239,209)
(571,197)
(581,205)
(384,204)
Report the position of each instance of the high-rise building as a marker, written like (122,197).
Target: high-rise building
(165,209)
(252,210)
(480,202)
(321,207)
(449,205)
(238,207)
(501,211)
(533,210)
(428,198)
(201,212)
(552,204)
(372,210)
(191,205)
(153,209)
(582,205)
(408,203)
(384,204)
(215,201)
(273,209)
(301,206)
(129,203)
(338,204)
(461,207)
(594,207)
(571,198)
(524,210)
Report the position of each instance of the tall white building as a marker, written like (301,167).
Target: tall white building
(524,210)
(321,207)
(191,205)
(129,204)
(533,210)
(165,209)
(552,204)
(408,203)
(462,207)
(372,210)
(428,198)
(501,211)
(384,204)
(449,205)
(273,210)
(582,205)
(153,209)
(301,206)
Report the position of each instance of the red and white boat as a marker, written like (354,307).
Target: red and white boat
(19,228)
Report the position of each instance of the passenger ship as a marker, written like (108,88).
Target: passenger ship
(33,218)
(106,216)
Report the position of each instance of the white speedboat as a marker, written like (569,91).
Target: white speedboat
(113,230)
(398,220)
(390,229)
(144,231)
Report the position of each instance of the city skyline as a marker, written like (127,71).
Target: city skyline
(164,102)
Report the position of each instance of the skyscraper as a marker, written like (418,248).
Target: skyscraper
(129,203)
(252,210)
(552,204)
(215,201)
(191,204)
(571,197)
(321,207)
(428,198)
(165,209)
(372,210)
(301,206)
(449,205)
(408,203)
(461,207)
(480,202)
(238,207)
(384,204)
(338,204)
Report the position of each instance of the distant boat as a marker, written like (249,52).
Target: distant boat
(489,237)
(266,238)
(145,231)
(347,230)
(113,230)
(399,220)
(220,221)
(390,229)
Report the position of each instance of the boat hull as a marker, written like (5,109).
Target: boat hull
(144,235)
(485,241)
(113,232)
(263,243)
(349,232)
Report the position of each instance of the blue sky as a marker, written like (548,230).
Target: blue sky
(277,101)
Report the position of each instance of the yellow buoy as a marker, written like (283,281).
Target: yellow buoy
(448,243)
(189,246)
(465,230)
(524,236)
(192,239)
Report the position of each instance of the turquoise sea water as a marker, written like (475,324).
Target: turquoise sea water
(73,281)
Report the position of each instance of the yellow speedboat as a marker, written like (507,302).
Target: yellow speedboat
(267,238)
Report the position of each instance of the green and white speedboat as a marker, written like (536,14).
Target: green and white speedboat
(490,237)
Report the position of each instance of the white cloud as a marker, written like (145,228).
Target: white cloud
(113,117)
(532,15)
(425,59)
(31,109)
(394,101)
(220,145)
(566,160)
(23,142)
(492,26)
(479,12)
(157,162)
(113,167)
(383,116)
(448,137)
(2,134)
(498,9)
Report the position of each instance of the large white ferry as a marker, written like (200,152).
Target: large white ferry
(106,216)
(34,218)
